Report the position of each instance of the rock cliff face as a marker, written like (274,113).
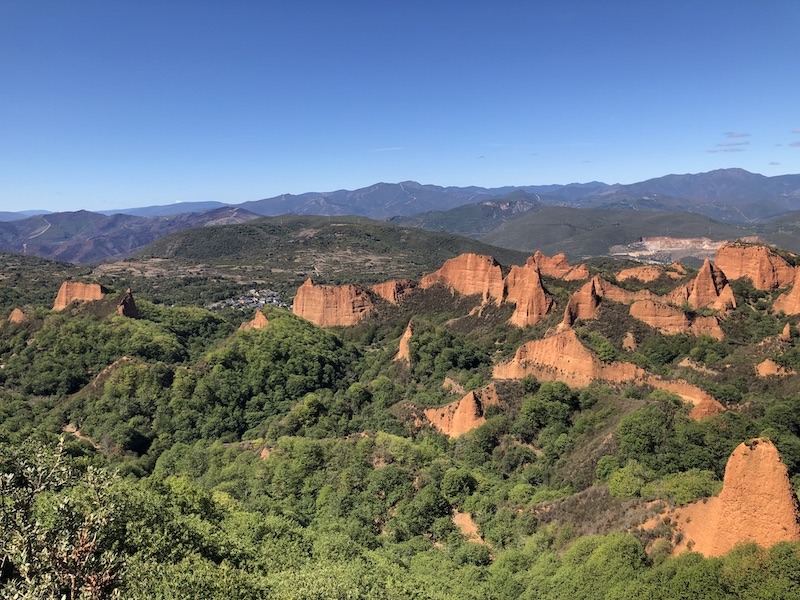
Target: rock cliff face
(17,316)
(327,305)
(786,334)
(709,289)
(394,290)
(73,291)
(523,287)
(789,303)
(469,274)
(126,305)
(756,505)
(562,357)
(670,320)
(646,273)
(558,267)
(457,418)
(584,303)
(259,321)
(764,267)
(404,353)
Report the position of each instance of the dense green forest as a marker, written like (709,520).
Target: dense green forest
(175,456)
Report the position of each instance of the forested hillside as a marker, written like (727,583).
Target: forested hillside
(431,450)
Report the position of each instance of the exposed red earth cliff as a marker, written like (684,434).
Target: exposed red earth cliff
(403,352)
(523,287)
(17,316)
(394,290)
(789,303)
(327,305)
(764,267)
(469,274)
(259,321)
(562,357)
(558,267)
(756,505)
(466,414)
(670,320)
(74,291)
(584,303)
(709,289)
(786,334)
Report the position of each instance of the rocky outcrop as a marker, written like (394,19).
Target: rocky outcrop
(670,320)
(789,303)
(259,321)
(74,291)
(769,367)
(126,305)
(786,334)
(523,287)
(558,267)
(646,273)
(629,342)
(709,289)
(394,290)
(764,267)
(756,505)
(17,316)
(562,357)
(328,305)
(457,418)
(584,303)
(404,352)
(469,274)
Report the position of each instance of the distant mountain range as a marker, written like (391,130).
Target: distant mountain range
(719,202)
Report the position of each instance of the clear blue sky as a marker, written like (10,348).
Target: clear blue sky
(109,104)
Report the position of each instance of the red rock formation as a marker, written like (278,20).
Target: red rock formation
(562,357)
(394,290)
(769,367)
(403,353)
(629,343)
(17,316)
(126,306)
(584,303)
(646,273)
(457,418)
(523,287)
(558,267)
(786,334)
(756,505)
(469,274)
(709,289)
(259,321)
(764,267)
(328,305)
(789,303)
(74,291)
(678,267)
(670,320)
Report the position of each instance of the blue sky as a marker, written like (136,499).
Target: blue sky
(112,104)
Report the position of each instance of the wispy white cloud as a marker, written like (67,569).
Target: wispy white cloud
(726,150)
(774,164)
(391,149)
(795,144)
(729,144)
(795,130)
(735,134)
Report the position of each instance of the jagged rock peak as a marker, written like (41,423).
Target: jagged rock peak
(523,287)
(558,267)
(469,274)
(762,265)
(466,414)
(789,302)
(328,305)
(17,316)
(756,505)
(74,291)
(126,305)
(670,320)
(259,321)
(404,351)
(709,289)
